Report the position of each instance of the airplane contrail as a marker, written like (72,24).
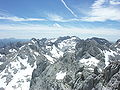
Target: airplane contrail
(68,8)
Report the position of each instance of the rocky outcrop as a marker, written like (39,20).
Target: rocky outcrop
(76,78)
(71,73)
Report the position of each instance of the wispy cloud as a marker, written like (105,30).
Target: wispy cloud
(36,27)
(49,17)
(115,2)
(55,17)
(15,18)
(57,25)
(68,8)
(98,3)
(103,10)
(4,15)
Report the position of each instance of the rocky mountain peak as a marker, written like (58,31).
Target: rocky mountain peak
(101,41)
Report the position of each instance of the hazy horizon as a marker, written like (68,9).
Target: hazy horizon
(28,19)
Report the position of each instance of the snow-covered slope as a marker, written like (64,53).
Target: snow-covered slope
(68,44)
(17,74)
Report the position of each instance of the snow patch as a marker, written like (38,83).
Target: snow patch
(56,52)
(118,49)
(60,75)
(1,55)
(68,44)
(52,40)
(49,58)
(21,47)
(29,43)
(107,54)
(36,53)
(30,50)
(2,82)
(34,56)
(91,69)
(79,73)
(1,63)
(12,50)
(21,79)
(89,62)
(33,41)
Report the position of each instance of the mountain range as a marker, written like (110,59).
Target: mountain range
(64,63)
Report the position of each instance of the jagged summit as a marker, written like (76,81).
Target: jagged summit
(101,41)
(117,43)
(64,63)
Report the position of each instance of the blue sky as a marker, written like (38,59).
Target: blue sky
(54,18)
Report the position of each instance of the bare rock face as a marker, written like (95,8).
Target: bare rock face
(112,76)
(79,70)
(76,78)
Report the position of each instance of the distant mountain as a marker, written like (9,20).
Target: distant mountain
(64,63)
(8,41)
(7,45)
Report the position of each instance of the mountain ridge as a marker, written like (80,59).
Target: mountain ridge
(78,61)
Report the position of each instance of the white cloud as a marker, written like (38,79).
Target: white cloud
(57,25)
(40,31)
(102,12)
(64,30)
(115,2)
(49,17)
(14,18)
(55,17)
(68,8)
(98,3)
(5,15)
